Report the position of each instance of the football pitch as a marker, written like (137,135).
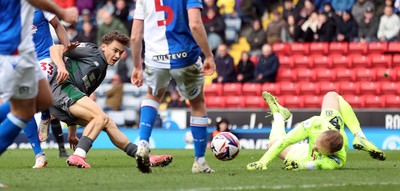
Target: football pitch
(113,170)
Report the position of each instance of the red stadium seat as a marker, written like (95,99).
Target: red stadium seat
(365,74)
(232,89)
(319,48)
(273,88)
(396,74)
(321,61)
(355,101)
(358,48)
(286,62)
(254,102)
(349,88)
(392,101)
(302,61)
(300,48)
(377,47)
(396,60)
(374,101)
(344,74)
(325,87)
(293,101)
(214,89)
(341,61)
(383,74)
(309,88)
(234,102)
(286,75)
(325,74)
(312,101)
(390,88)
(381,60)
(370,88)
(251,89)
(215,102)
(306,74)
(281,48)
(340,48)
(394,47)
(361,61)
(289,88)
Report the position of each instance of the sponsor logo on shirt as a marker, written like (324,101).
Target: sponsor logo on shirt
(34,29)
(170,56)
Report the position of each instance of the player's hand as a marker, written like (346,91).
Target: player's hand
(208,66)
(291,165)
(70,15)
(73,142)
(137,77)
(62,75)
(71,46)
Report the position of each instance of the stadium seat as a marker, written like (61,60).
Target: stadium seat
(340,48)
(374,101)
(396,60)
(312,101)
(214,89)
(322,61)
(325,87)
(130,102)
(302,61)
(392,101)
(273,88)
(319,48)
(383,74)
(349,88)
(394,47)
(232,89)
(396,74)
(234,102)
(118,117)
(289,88)
(300,48)
(354,100)
(281,48)
(365,74)
(294,101)
(359,60)
(254,102)
(377,47)
(325,74)
(215,101)
(251,89)
(390,88)
(381,60)
(341,61)
(309,88)
(370,88)
(306,74)
(358,48)
(284,74)
(285,62)
(344,74)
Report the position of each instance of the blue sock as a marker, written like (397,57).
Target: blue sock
(31,133)
(4,110)
(198,126)
(45,115)
(9,130)
(148,114)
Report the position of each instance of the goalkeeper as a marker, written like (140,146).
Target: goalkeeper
(326,149)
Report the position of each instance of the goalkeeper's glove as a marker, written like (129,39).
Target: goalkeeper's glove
(293,165)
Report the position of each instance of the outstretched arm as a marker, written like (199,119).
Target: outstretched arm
(69,15)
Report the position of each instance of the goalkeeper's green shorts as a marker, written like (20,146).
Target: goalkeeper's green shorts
(298,152)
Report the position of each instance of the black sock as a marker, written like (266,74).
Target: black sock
(58,133)
(85,143)
(131,149)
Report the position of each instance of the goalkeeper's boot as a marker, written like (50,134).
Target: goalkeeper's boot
(201,168)
(257,166)
(43,131)
(160,160)
(142,157)
(361,143)
(274,105)
(78,161)
(40,161)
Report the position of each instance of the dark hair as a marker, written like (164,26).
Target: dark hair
(334,140)
(223,120)
(115,35)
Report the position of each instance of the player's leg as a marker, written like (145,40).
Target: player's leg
(44,125)
(31,133)
(59,136)
(274,105)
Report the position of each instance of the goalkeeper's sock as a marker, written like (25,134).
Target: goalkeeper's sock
(31,133)
(4,110)
(83,147)
(148,114)
(278,127)
(198,127)
(9,130)
(349,117)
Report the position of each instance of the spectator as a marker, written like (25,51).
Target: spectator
(329,11)
(256,38)
(109,24)
(176,101)
(122,12)
(319,4)
(88,34)
(222,126)
(109,6)
(226,8)
(304,12)
(325,29)
(208,4)
(71,32)
(359,8)
(368,28)
(245,69)
(225,65)
(309,28)
(247,11)
(291,31)
(288,9)
(215,28)
(275,28)
(85,17)
(114,95)
(267,66)
(389,26)
(346,28)
(125,66)
(380,6)
(342,6)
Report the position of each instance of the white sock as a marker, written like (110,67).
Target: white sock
(143,143)
(278,116)
(360,134)
(201,160)
(80,152)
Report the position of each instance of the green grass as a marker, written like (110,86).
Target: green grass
(113,170)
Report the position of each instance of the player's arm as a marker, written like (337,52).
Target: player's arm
(72,138)
(69,15)
(60,31)
(136,44)
(325,163)
(57,56)
(199,34)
